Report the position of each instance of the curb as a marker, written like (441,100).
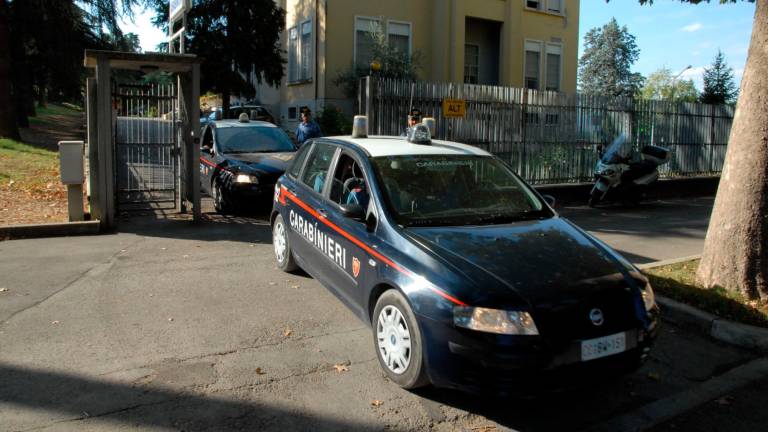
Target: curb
(723,330)
(50,230)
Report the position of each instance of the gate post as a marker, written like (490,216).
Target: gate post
(92,169)
(105,144)
(189,93)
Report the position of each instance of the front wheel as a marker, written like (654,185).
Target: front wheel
(397,339)
(220,200)
(594,197)
(283,253)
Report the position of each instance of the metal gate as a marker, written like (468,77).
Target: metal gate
(146,127)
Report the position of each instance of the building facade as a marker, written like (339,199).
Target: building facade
(518,43)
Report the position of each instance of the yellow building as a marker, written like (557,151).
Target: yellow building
(517,43)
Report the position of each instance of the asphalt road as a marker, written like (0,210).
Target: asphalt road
(171,326)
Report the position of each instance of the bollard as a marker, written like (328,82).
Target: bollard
(71,166)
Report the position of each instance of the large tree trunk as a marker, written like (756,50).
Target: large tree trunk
(8,126)
(736,249)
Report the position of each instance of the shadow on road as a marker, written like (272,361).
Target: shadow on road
(74,398)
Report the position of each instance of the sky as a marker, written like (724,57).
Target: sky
(669,33)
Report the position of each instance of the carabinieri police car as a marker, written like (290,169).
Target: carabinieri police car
(466,274)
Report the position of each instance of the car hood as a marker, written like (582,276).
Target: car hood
(270,163)
(542,262)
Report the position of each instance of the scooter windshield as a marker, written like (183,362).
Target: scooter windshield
(617,150)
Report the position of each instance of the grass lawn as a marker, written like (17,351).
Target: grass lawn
(678,282)
(30,186)
(44,114)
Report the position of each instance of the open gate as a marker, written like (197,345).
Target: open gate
(147,150)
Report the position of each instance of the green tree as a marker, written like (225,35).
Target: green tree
(392,62)
(234,38)
(719,85)
(8,127)
(605,67)
(662,85)
(735,253)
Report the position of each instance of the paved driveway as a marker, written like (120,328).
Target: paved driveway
(169,326)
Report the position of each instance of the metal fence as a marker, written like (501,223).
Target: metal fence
(146,146)
(551,137)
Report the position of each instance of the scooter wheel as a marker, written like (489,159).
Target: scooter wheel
(594,198)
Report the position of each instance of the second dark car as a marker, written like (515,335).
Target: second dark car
(241,160)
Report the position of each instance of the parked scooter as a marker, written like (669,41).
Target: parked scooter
(627,180)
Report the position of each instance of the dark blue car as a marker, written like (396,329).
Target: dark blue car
(467,276)
(241,160)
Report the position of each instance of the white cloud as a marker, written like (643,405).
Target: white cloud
(690,28)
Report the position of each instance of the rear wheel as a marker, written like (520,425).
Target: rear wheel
(397,339)
(283,253)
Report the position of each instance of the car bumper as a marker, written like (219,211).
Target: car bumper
(508,365)
(242,192)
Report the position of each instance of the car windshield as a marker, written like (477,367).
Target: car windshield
(439,190)
(256,139)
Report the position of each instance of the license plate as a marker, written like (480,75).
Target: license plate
(604,346)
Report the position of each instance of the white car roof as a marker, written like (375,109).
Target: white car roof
(237,123)
(398,146)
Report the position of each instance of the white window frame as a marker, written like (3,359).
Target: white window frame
(544,6)
(301,49)
(478,61)
(551,47)
(540,49)
(354,33)
(293,52)
(410,33)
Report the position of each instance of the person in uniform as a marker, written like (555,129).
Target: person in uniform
(307,129)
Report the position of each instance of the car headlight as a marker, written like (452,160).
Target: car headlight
(649,298)
(495,321)
(245,178)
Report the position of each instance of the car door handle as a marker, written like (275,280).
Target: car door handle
(322,212)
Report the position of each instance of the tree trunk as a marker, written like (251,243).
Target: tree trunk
(736,249)
(8,126)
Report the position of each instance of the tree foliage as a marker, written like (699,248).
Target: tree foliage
(393,64)
(719,85)
(605,67)
(234,38)
(662,85)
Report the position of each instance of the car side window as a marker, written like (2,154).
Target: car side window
(298,161)
(316,172)
(349,186)
(208,138)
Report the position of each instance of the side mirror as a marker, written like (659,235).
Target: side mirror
(550,200)
(353,211)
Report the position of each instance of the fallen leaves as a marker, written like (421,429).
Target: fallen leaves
(341,367)
(3,289)
(259,371)
(55,322)
(287,332)
(376,403)
(170,319)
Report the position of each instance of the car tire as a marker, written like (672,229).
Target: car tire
(397,340)
(220,200)
(282,246)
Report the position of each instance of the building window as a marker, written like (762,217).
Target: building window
(365,31)
(554,56)
(533,4)
(292,113)
(532,64)
(293,47)
(555,6)
(399,36)
(471,63)
(306,50)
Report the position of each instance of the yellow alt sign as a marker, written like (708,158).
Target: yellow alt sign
(453,108)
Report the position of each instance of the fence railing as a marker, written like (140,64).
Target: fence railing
(551,137)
